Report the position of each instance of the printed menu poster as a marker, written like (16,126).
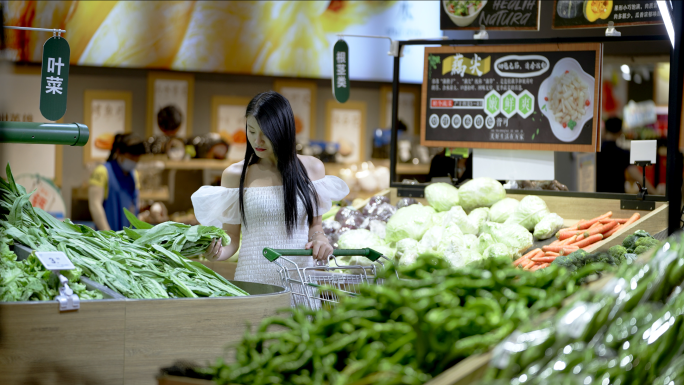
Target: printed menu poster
(492,14)
(536,97)
(597,14)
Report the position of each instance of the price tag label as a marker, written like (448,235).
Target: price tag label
(55,260)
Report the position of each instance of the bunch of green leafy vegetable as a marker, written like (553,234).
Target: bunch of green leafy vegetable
(187,240)
(401,332)
(28,280)
(137,263)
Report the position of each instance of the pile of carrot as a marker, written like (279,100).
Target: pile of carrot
(571,239)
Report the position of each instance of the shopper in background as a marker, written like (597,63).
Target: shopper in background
(612,163)
(274,197)
(114,185)
(460,169)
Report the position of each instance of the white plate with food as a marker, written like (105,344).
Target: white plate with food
(566,98)
(463,12)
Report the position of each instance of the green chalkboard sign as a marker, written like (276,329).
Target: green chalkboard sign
(54,78)
(340,76)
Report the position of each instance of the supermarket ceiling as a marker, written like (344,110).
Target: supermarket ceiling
(276,38)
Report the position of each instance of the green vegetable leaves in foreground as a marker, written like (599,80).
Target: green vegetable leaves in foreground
(145,262)
(400,332)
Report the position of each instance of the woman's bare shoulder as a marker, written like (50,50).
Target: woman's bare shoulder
(230,177)
(314,167)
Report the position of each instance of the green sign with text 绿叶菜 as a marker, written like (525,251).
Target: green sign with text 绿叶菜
(340,75)
(54,78)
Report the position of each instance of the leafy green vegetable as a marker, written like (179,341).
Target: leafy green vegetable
(145,262)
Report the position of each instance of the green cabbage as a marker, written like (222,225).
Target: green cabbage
(529,212)
(502,209)
(478,217)
(407,252)
(437,219)
(429,244)
(456,216)
(470,241)
(548,226)
(480,192)
(441,196)
(497,250)
(459,256)
(483,242)
(359,239)
(409,222)
(451,234)
(516,237)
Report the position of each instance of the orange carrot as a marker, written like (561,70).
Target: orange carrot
(588,241)
(529,264)
(594,231)
(570,240)
(544,259)
(611,232)
(568,249)
(635,217)
(608,226)
(545,265)
(587,224)
(556,243)
(561,235)
(526,257)
(558,249)
(618,220)
(551,254)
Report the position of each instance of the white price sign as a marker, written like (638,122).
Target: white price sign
(55,260)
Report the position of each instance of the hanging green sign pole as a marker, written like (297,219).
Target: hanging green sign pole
(54,78)
(340,75)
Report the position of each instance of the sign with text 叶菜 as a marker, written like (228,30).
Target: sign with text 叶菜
(541,97)
(340,76)
(597,14)
(54,78)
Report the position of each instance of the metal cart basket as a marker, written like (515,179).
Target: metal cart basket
(307,283)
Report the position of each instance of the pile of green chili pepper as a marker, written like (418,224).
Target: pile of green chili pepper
(633,332)
(404,331)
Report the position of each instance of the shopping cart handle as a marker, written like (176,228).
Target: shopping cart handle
(273,254)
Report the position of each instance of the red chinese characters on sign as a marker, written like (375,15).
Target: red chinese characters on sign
(39,198)
(444,103)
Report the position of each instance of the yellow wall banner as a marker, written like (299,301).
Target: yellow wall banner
(460,65)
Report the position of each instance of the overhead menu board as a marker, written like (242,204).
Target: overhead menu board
(597,14)
(524,97)
(492,14)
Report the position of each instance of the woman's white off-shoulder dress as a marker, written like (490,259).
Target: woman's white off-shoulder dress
(264,210)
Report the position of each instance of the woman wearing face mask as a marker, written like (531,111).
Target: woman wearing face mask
(114,185)
(274,197)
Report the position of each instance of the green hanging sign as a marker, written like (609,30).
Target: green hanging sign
(340,75)
(54,78)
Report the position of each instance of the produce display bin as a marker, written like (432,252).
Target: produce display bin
(124,341)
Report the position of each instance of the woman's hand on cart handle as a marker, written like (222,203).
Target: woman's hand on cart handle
(216,252)
(322,250)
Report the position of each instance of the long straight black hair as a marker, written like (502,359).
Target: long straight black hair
(276,120)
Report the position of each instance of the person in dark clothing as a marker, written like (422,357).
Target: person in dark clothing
(443,166)
(612,163)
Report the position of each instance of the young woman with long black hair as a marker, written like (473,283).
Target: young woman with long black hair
(274,197)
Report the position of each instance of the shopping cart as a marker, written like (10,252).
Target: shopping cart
(308,284)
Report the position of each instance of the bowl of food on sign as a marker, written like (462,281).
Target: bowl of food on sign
(566,98)
(463,12)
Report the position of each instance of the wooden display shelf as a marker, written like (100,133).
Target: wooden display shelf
(124,341)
